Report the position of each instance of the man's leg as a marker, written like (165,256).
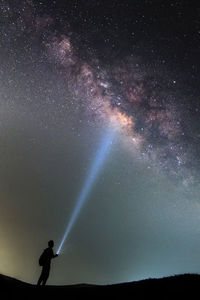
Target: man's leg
(45,276)
(41,277)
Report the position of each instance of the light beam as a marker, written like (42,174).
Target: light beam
(99,159)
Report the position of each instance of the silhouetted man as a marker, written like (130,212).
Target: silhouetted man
(45,262)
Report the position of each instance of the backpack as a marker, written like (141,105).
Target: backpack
(42,259)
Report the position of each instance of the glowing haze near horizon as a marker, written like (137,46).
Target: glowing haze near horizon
(68,73)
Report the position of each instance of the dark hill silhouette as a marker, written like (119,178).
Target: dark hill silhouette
(178,286)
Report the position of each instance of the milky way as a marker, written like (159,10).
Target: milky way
(144,99)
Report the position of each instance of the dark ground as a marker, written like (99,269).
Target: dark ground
(175,287)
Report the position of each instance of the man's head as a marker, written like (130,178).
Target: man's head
(51,243)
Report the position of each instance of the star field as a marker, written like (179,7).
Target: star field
(71,69)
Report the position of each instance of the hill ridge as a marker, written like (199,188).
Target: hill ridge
(160,288)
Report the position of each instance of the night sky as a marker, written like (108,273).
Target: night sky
(69,72)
